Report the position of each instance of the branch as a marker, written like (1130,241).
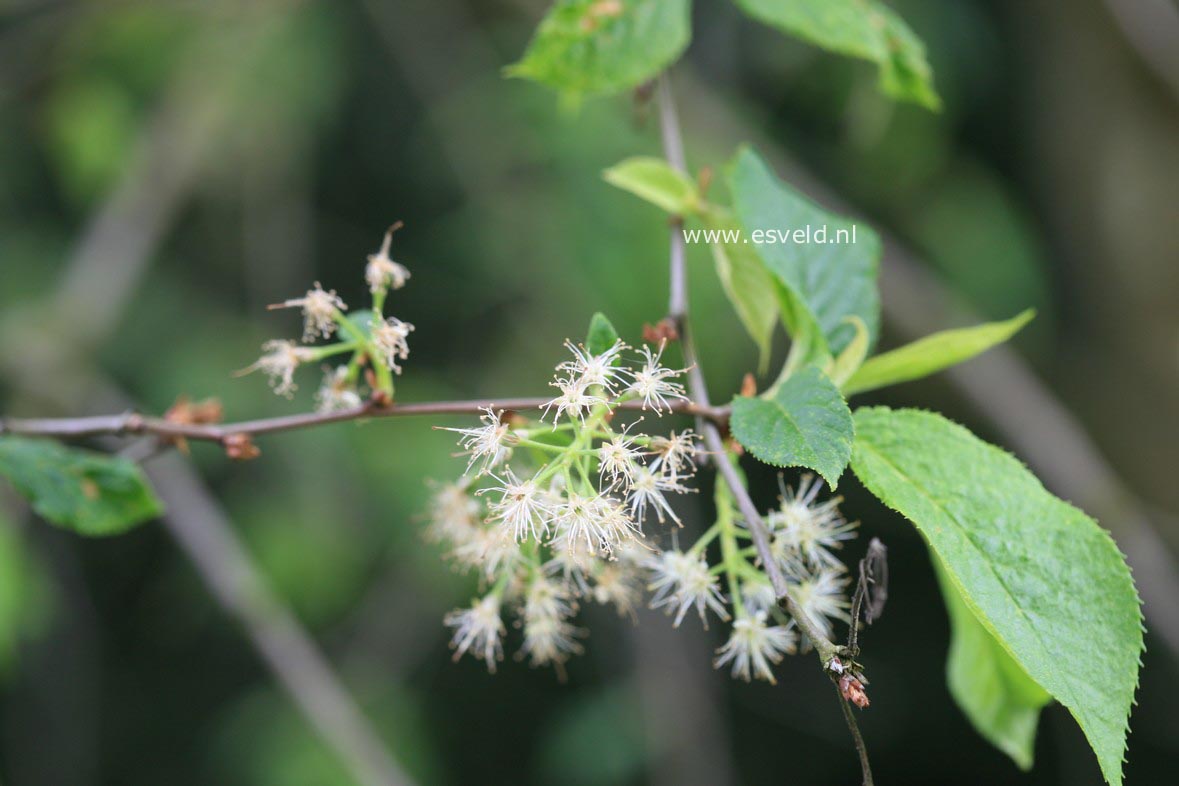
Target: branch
(129,423)
(698,389)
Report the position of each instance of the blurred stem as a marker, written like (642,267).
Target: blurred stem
(673,147)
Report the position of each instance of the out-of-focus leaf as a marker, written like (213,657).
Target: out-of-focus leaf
(996,694)
(92,125)
(654,180)
(89,493)
(932,353)
(601,334)
(829,280)
(750,287)
(601,47)
(860,28)
(598,739)
(24,594)
(804,423)
(1044,580)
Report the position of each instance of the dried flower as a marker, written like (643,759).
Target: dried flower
(337,392)
(382,273)
(390,336)
(319,311)
(279,363)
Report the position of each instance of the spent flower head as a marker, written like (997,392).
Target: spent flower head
(280,360)
(391,338)
(382,273)
(320,308)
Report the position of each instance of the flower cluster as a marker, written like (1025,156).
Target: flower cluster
(565,509)
(804,533)
(375,342)
(555,511)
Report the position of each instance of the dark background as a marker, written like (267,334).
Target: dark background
(168,169)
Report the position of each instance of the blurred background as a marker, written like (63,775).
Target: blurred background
(168,169)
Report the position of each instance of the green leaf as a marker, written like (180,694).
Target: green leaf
(852,356)
(601,335)
(89,493)
(1043,579)
(859,28)
(804,424)
(747,283)
(933,353)
(654,180)
(603,47)
(1000,699)
(829,281)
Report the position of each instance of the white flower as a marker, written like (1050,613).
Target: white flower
(821,596)
(548,636)
(805,532)
(617,583)
(382,273)
(575,399)
(454,515)
(488,443)
(619,458)
(279,363)
(391,338)
(489,550)
(319,311)
(652,383)
(646,489)
(759,596)
(478,630)
(523,507)
(681,581)
(337,391)
(676,453)
(753,647)
(594,369)
(596,523)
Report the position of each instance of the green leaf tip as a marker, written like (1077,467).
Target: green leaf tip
(933,353)
(601,334)
(654,180)
(865,29)
(1039,575)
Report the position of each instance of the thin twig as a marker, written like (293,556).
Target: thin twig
(698,390)
(861,748)
(132,423)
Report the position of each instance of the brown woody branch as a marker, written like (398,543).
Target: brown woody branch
(134,423)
